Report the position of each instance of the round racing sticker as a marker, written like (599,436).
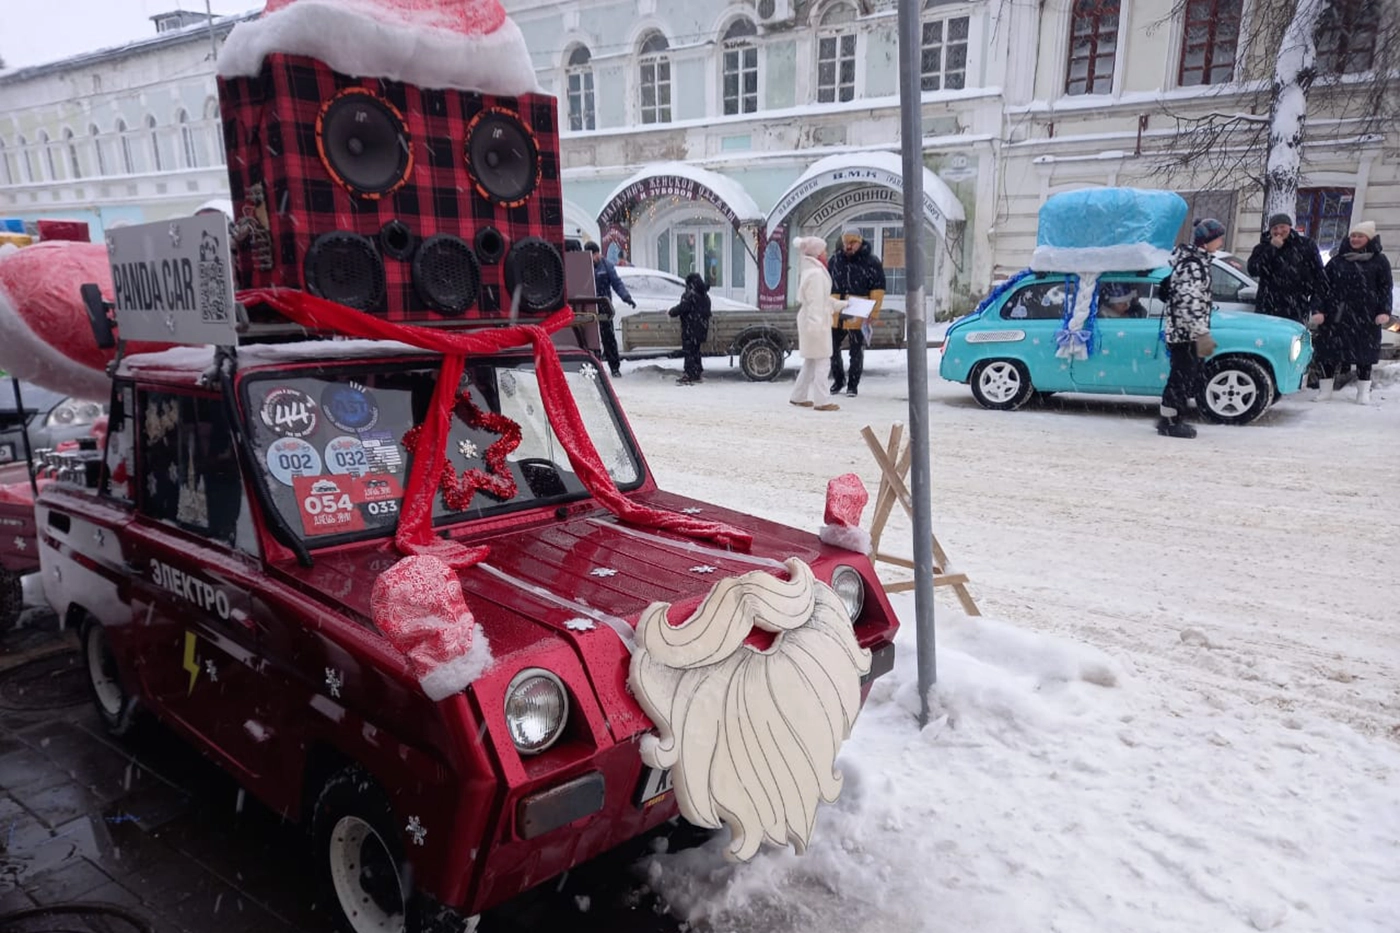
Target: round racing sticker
(289,412)
(345,454)
(290,457)
(350,407)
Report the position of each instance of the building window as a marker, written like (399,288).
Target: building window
(1346,37)
(1209,41)
(836,55)
(188,144)
(579,76)
(655,79)
(1093,46)
(156,162)
(46,151)
(75,166)
(213,119)
(1324,215)
(943,53)
(99,154)
(7,175)
(740,68)
(26,161)
(128,159)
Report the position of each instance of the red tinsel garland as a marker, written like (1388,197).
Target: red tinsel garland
(457,491)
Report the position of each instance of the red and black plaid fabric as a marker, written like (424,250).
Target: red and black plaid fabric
(270,133)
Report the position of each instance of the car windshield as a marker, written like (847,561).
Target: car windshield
(1234,263)
(657,286)
(34,397)
(329,443)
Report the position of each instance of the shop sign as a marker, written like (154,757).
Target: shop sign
(663,186)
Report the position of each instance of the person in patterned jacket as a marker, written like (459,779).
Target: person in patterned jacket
(1187,324)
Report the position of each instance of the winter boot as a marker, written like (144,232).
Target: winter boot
(1324,390)
(1171,427)
(1363,392)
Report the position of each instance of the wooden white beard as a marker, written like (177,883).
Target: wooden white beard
(751,737)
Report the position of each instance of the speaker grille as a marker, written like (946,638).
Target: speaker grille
(537,269)
(345,268)
(446,274)
(502,157)
(364,143)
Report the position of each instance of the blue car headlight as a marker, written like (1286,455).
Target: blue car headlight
(1296,350)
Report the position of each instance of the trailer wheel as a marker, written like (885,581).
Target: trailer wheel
(761,360)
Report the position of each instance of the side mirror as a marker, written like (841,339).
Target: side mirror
(99,316)
(1248,293)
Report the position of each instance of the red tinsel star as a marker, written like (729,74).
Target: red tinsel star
(457,491)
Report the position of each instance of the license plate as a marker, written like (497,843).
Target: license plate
(655,784)
(7,453)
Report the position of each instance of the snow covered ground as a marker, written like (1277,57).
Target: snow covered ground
(1179,712)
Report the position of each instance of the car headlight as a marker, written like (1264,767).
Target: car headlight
(537,707)
(850,587)
(1296,350)
(72,412)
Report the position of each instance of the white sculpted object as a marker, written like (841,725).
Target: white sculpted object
(750,736)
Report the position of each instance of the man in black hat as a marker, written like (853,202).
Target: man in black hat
(856,272)
(606,281)
(1289,269)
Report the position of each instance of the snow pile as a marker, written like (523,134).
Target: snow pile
(468,45)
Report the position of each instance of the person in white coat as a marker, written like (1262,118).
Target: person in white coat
(815,308)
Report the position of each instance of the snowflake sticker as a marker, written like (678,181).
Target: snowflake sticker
(588,371)
(1259,343)
(602,572)
(691,511)
(1122,333)
(416,829)
(1034,340)
(100,537)
(467,449)
(579,625)
(334,681)
(508,384)
(1104,351)
(703,568)
(21,543)
(212,671)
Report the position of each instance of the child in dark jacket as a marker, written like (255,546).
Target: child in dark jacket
(694,312)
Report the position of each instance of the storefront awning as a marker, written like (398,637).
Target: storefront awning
(886,169)
(676,179)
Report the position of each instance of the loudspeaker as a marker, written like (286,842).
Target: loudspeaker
(425,206)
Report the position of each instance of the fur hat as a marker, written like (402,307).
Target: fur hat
(849,230)
(1366,228)
(810,246)
(1207,230)
(1277,219)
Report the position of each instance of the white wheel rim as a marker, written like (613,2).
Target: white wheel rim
(1231,393)
(349,841)
(104,685)
(1000,382)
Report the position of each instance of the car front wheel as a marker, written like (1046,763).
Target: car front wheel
(1002,385)
(360,858)
(117,708)
(1234,390)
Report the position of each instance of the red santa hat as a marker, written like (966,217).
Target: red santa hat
(467,45)
(45,335)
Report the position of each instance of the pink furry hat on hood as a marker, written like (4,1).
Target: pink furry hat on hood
(810,246)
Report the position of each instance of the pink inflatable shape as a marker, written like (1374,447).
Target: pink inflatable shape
(845,501)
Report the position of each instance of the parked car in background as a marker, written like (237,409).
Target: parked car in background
(1232,288)
(1006,350)
(654,290)
(51,417)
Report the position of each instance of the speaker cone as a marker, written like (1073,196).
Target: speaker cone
(446,274)
(396,240)
(364,143)
(502,157)
(345,268)
(490,245)
(536,268)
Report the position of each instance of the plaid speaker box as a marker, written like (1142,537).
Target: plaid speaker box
(286,196)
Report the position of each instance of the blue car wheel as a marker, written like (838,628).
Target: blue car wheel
(1001,385)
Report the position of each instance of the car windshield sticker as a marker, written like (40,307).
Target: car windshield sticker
(289,412)
(346,455)
(292,457)
(327,504)
(382,452)
(378,496)
(350,407)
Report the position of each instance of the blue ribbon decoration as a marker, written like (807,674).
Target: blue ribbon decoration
(992,297)
(1087,337)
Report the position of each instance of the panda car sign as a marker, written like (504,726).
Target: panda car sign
(172,281)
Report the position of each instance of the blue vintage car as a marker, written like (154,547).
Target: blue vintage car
(1006,349)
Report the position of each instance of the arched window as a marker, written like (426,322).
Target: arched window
(50,167)
(943,50)
(836,54)
(7,176)
(75,166)
(579,77)
(188,145)
(128,157)
(654,79)
(26,161)
(213,119)
(99,154)
(739,67)
(156,163)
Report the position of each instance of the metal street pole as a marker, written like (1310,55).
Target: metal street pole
(213,39)
(912,137)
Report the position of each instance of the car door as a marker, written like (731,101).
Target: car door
(1129,357)
(1231,288)
(192,556)
(1026,330)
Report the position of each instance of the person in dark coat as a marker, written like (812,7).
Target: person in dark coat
(1349,331)
(1288,267)
(856,272)
(1186,324)
(606,281)
(694,312)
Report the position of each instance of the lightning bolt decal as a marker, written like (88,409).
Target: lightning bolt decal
(191,662)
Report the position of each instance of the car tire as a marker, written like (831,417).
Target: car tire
(1001,385)
(11,599)
(761,360)
(358,852)
(117,708)
(1234,390)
